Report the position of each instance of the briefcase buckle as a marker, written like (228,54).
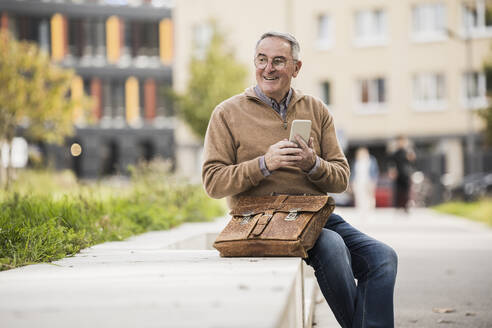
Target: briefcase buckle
(246,218)
(293,214)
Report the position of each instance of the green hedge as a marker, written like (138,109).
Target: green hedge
(480,211)
(41,227)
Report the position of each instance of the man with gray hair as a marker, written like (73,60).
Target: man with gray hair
(247,153)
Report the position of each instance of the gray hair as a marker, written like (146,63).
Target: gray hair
(294,45)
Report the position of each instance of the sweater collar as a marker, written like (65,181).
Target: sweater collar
(272,102)
(295,97)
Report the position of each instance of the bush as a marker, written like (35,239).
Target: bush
(37,227)
(480,210)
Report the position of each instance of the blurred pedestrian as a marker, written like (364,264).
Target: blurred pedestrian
(365,172)
(401,165)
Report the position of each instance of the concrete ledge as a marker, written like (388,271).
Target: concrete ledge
(151,281)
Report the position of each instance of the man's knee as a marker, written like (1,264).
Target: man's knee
(333,219)
(330,247)
(388,260)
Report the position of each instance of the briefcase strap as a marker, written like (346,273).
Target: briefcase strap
(280,199)
(262,222)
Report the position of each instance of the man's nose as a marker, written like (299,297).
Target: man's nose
(269,67)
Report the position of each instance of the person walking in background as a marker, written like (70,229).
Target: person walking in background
(365,172)
(401,162)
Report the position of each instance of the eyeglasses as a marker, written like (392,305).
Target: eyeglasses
(278,63)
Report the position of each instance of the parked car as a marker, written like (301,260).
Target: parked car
(343,199)
(473,186)
(383,194)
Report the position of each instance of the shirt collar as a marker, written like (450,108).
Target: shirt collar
(272,102)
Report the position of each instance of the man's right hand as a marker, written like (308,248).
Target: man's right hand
(283,153)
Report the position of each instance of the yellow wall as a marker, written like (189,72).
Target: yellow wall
(57,37)
(77,91)
(132,100)
(166,40)
(113,39)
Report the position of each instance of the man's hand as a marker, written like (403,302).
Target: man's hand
(283,153)
(307,154)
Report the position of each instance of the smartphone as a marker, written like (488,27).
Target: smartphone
(302,128)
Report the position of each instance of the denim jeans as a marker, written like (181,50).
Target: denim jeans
(342,254)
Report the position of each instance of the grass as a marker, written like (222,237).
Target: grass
(48,216)
(480,211)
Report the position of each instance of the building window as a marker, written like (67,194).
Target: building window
(326,92)
(477,18)
(118,101)
(370,28)
(202,36)
(141,42)
(98,30)
(87,40)
(142,98)
(113,103)
(44,35)
(475,90)
(150,39)
(164,107)
(164,103)
(34,29)
(429,91)
(325,32)
(429,22)
(106,100)
(76,37)
(371,95)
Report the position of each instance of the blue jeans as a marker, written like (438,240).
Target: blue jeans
(342,254)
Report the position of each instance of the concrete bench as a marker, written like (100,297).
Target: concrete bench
(159,279)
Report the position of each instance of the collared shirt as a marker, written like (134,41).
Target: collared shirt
(280,108)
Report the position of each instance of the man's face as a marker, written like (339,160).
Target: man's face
(275,81)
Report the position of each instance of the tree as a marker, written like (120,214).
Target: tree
(33,94)
(213,78)
(486,115)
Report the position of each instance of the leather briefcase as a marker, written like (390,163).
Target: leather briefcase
(281,225)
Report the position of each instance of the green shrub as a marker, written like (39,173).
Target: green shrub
(37,229)
(480,211)
(67,217)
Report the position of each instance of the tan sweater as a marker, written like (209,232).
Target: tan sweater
(240,131)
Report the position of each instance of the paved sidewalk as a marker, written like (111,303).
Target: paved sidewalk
(157,279)
(445,265)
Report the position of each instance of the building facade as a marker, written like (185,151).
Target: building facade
(384,68)
(122,53)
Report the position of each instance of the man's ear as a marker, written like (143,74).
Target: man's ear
(297,68)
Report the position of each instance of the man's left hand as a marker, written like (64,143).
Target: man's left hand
(308,154)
